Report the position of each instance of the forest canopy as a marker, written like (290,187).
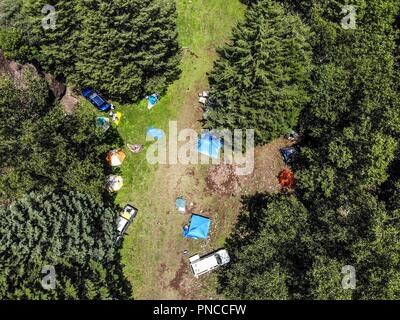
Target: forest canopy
(344,211)
(124,49)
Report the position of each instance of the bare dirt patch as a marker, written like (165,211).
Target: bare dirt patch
(222,180)
(183,281)
(268,164)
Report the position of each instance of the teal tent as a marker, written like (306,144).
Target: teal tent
(152,101)
(103,122)
(181,205)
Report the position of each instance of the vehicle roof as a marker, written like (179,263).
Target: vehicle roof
(122,223)
(99,101)
(129,212)
(205,264)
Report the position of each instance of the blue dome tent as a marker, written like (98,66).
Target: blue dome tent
(152,100)
(288,154)
(198,229)
(209,145)
(155,133)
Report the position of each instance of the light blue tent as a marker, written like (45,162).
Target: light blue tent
(155,133)
(152,100)
(209,145)
(198,229)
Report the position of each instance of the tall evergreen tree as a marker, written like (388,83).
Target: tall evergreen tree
(42,148)
(125,49)
(269,254)
(73,233)
(346,177)
(260,79)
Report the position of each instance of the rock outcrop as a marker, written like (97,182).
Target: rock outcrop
(16,71)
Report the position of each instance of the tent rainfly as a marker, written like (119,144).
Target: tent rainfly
(152,100)
(288,154)
(198,229)
(114,183)
(115,158)
(209,145)
(155,133)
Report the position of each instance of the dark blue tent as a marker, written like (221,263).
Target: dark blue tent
(209,145)
(95,99)
(288,153)
(198,229)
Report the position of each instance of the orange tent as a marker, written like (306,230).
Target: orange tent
(286,178)
(116,157)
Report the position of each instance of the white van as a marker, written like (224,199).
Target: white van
(208,263)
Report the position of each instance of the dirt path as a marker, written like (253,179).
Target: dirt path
(173,280)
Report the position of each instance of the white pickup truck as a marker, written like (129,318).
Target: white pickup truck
(125,219)
(208,263)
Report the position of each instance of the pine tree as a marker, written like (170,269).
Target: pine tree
(125,49)
(42,148)
(260,79)
(57,228)
(139,51)
(72,232)
(268,254)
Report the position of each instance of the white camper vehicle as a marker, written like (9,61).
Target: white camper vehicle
(208,263)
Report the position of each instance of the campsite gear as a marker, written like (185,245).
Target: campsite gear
(152,101)
(292,136)
(203,100)
(96,100)
(117,117)
(198,229)
(203,96)
(209,145)
(115,158)
(103,122)
(288,154)
(155,133)
(135,148)
(181,205)
(114,183)
(286,179)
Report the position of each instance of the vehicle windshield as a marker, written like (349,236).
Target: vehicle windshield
(219,260)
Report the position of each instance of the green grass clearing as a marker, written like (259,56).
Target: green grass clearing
(150,252)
